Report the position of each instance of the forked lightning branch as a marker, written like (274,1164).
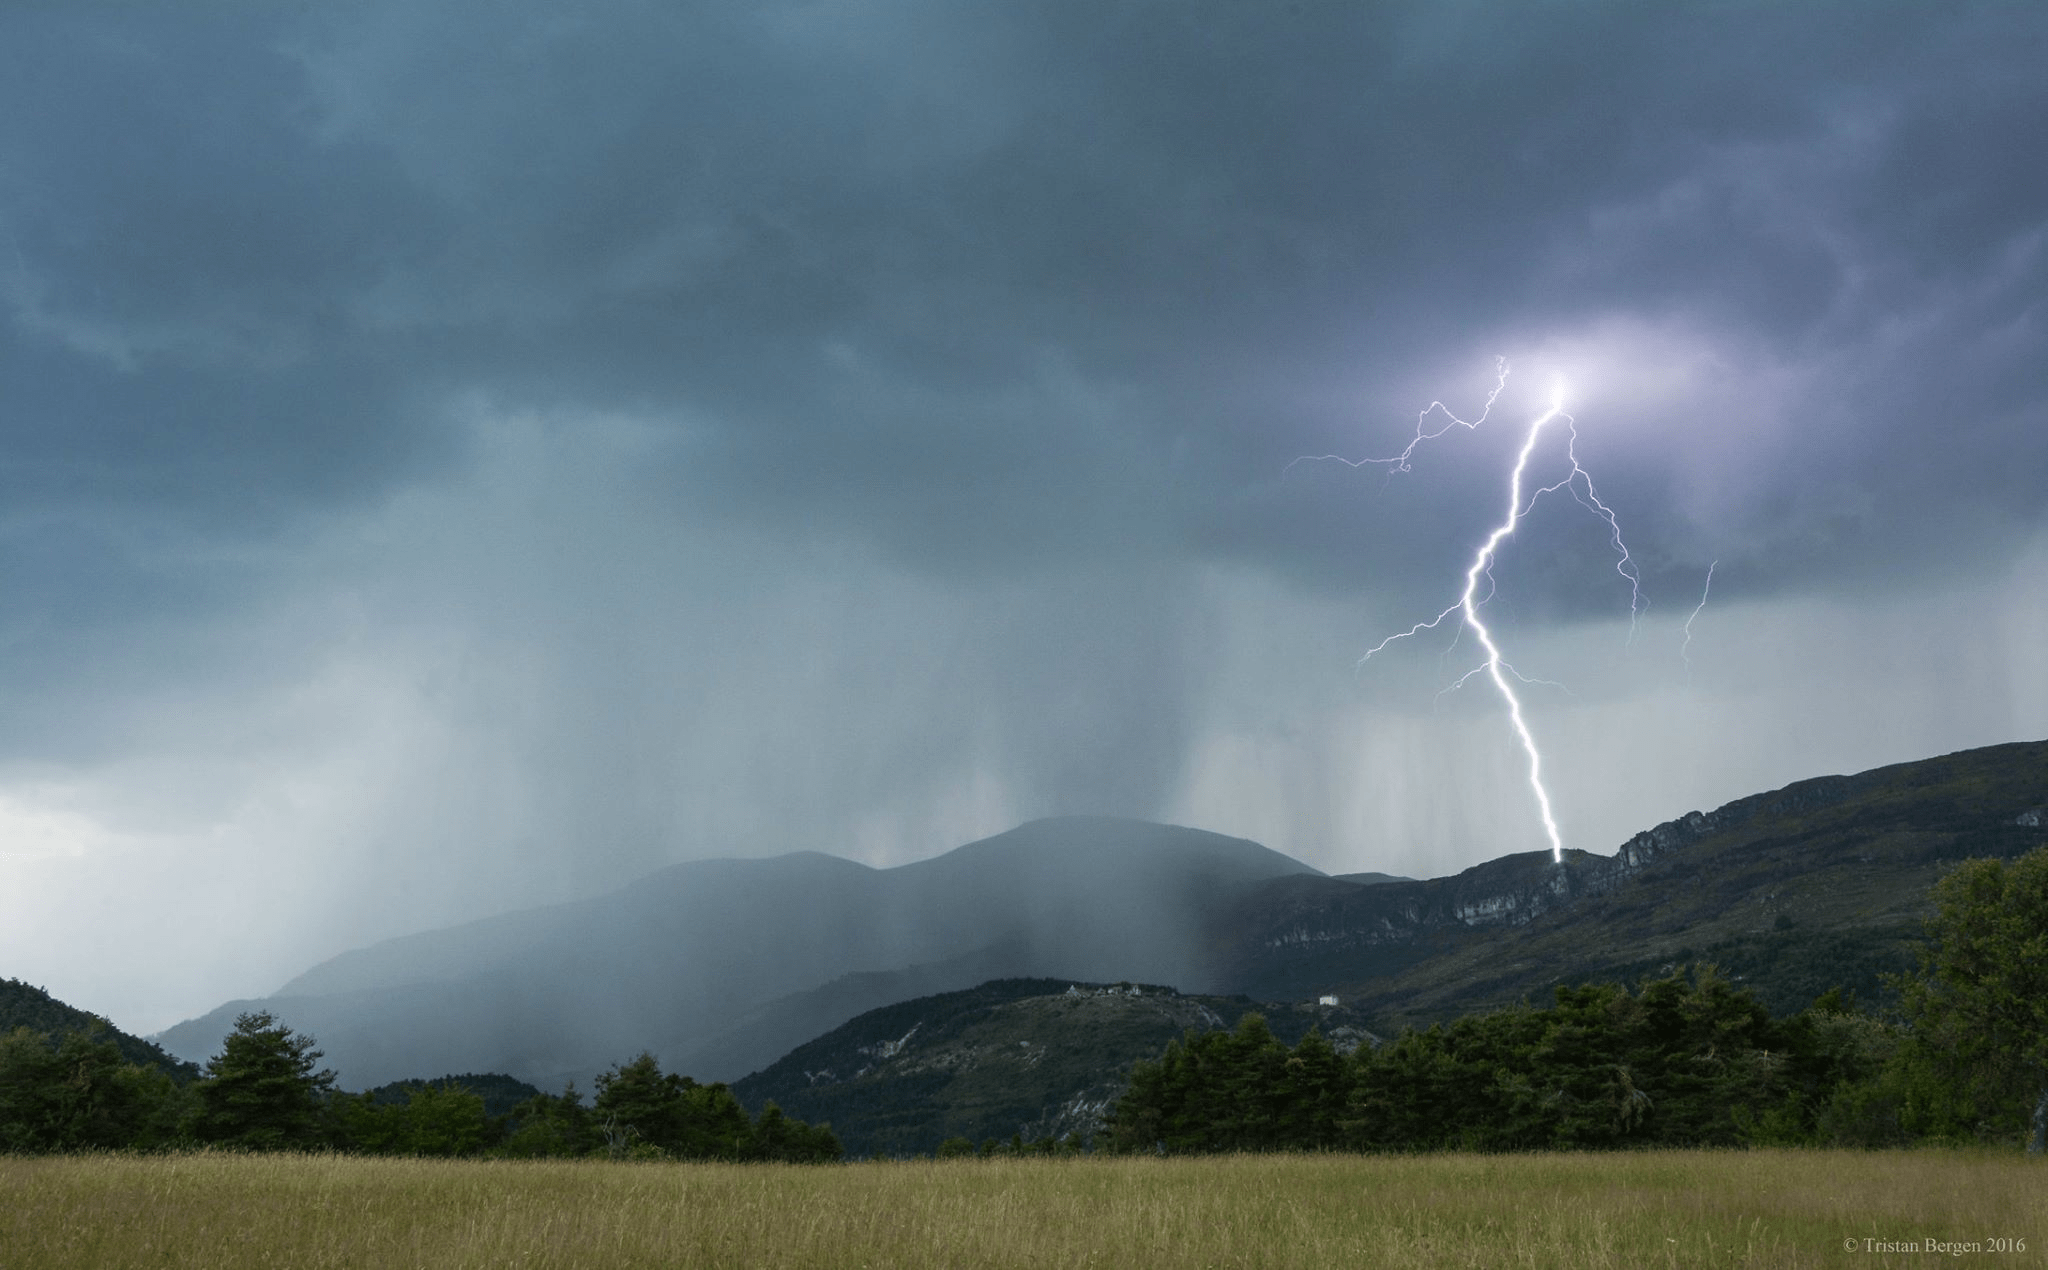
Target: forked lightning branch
(1472,598)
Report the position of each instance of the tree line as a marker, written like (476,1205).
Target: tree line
(264,1091)
(1688,1059)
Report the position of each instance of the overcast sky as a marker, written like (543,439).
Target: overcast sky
(457,456)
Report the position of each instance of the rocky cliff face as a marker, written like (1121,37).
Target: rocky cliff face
(1797,799)
(1824,879)
(1294,933)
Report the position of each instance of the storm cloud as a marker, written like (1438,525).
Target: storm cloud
(460,455)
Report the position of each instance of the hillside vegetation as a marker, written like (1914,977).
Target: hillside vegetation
(1030,1060)
(25,1006)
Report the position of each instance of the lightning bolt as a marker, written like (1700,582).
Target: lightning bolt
(1399,463)
(1470,600)
(1482,565)
(1684,649)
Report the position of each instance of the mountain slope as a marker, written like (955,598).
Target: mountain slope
(1030,1057)
(22,1005)
(1821,883)
(720,966)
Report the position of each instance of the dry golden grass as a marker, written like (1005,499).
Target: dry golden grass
(1766,1208)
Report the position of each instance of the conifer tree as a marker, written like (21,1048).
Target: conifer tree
(263,1090)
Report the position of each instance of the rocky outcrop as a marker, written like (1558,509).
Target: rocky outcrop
(1358,931)
(1797,799)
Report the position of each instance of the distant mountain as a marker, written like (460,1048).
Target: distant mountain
(1031,1057)
(22,1005)
(720,966)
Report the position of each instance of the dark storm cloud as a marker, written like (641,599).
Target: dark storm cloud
(1028,284)
(176,245)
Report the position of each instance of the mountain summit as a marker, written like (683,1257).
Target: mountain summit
(720,966)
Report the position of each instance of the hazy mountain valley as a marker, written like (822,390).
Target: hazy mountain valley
(723,967)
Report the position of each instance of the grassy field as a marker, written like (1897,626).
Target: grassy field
(1787,1208)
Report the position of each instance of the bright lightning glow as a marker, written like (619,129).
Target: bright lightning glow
(1684,650)
(1496,667)
(1482,563)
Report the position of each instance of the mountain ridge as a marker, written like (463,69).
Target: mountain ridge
(728,982)
(676,962)
(1833,871)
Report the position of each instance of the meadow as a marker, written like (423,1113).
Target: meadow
(1669,1208)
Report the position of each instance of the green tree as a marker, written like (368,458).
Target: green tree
(1312,1095)
(1220,1091)
(1856,1105)
(1974,1063)
(550,1125)
(715,1125)
(435,1119)
(365,1124)
(641,1110)
(262,1089)
(445,1120)
(78,1093)
(1412,1093)
(778,1137)
(639,1103)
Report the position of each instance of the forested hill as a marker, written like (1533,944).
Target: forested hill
(1033,1059)
(24,1005)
